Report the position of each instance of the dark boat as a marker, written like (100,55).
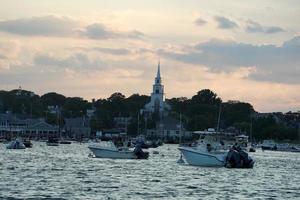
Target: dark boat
(27,143)
(52,141)
(65,142)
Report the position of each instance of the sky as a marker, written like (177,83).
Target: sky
(240,49)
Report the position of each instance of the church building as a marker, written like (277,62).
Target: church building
(157,103)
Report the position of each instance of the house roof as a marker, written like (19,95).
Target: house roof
(42,126)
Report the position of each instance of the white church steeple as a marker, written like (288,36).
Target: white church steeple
(157,103)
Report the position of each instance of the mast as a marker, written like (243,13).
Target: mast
(138,124)
(180,139)
(219,117)
(251,128)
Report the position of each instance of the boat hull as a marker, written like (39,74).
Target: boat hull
(110,153)
(197,158)
(52,144)
(15,145)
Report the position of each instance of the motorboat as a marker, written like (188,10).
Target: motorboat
(202,158)
(27,143)
(107,149)
(212,152)
(16,144)
(52,141)
(268,145)
(65,142)
(209,152)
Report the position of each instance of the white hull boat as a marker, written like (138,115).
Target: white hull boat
(100,152)
(16,144)
(201,158)
(111,151)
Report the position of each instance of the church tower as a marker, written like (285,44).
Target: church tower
(157,103)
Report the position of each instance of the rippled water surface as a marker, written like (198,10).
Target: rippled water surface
(66,172)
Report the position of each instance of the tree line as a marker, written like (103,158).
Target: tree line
(203,110)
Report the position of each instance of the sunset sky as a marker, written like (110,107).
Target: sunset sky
(241,49)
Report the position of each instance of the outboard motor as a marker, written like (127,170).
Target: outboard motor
(140,154)
(237,158)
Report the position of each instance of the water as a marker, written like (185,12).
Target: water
(66,172)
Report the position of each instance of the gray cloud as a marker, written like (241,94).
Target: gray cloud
(77,61)
(40,26)
(120,51)
(273,63)
(254,27)
(99,31)
(225,23)
(200,22)
(63,27)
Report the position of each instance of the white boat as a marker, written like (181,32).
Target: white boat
(208,153)
(203,158)
(109,150)
(268,145)
(16,144)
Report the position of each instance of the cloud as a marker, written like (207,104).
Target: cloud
(40,26)
(200,22)
(99,31)
(9,51)
(254,27)
(76,61)
(53,26)
(225,23)
(117,51)
(269,62)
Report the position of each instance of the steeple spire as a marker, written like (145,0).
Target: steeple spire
(158,70)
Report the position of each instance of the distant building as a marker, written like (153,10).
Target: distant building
(277,116)
(78,127)
(122,122)
(12,126)
(169,130)
(157,103)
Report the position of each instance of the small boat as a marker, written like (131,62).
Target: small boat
(203,158)
(109,150)
(16,144)
(65,142)
(268,145)
(52,142)
(27,143)
(209,152)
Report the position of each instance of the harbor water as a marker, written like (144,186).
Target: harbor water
(67,172)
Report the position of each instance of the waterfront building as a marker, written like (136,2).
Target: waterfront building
(13,126)
(122,122)
(169,130)
(78,127)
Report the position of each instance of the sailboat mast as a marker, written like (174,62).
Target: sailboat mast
(251,127)
(180,130)
(219,117)
(138,124)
